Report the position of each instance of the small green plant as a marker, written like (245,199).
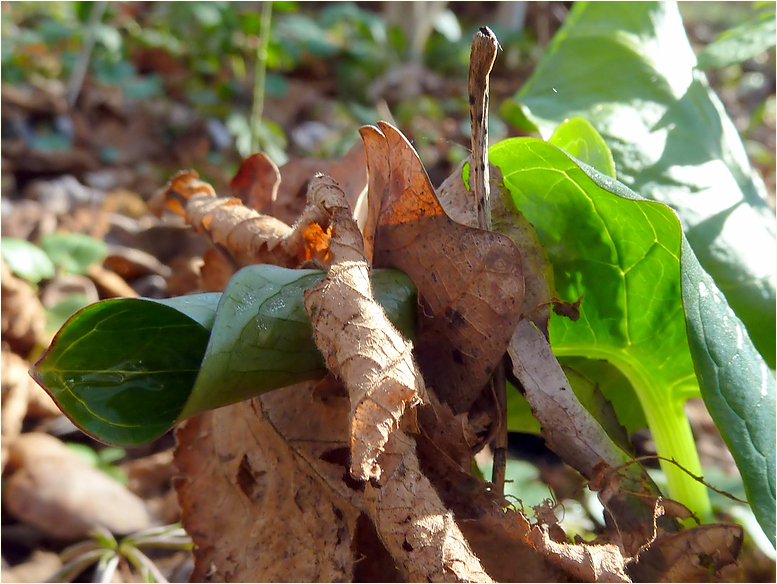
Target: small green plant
(103,459)
(112,555)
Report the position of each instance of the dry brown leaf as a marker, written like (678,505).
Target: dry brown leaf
(354,334)
(588,562)
(470,280)
(458,203)
(248,499)
(21,312)
(256,183)
(216,270)
(350,173)
(248,236)
(694,554)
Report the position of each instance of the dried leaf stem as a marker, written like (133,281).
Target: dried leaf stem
(481,61)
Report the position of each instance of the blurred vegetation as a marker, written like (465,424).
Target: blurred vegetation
(204,54)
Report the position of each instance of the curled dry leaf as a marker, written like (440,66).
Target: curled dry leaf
(354,334)
(248,236)
(413,523)
(470,280)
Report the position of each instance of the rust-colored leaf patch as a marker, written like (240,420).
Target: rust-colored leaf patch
(470,280)
(256,182)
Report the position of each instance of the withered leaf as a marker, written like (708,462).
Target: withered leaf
(248,499)
(470,280)
(355,336)
(248,236)
(256,182)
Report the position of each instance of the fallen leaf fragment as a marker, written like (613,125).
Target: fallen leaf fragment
(22,314)
(248,500)
(55,491)
(693,554)
(256,183)
(358,341)
(413,523)
(470,280)
(589,563)
(15,398)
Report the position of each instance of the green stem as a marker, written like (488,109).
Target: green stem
(671,431)
(260,73)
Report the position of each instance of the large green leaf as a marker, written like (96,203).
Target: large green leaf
(737,387)
(126,370)
(625,256)
(628,68)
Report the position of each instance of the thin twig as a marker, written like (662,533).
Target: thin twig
(481,61)
(79,71)
(260,73)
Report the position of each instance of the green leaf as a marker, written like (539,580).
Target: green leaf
(26,260)
(126,370)
(74,252)
(629,69)
(578,138)
(740,43)
(58,314)
(623,258)
(122,369)
(737,386)
(651,311)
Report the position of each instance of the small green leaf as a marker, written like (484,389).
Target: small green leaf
(741,43)
(122,369)
(74,252)
(26,260)
(578,138)
(58,314)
